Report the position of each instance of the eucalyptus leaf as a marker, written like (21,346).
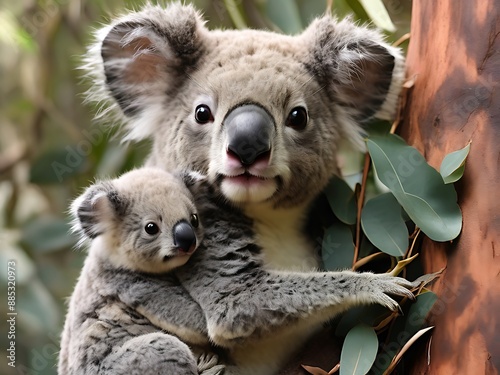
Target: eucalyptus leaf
(418,312)
(453,165)
(359,350)
(285,14)
(354,6)
(384,226)
(378,14)
(338,247)
(341,199)
(417,186)
(370,315)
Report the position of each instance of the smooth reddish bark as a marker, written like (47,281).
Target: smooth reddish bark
(454,53)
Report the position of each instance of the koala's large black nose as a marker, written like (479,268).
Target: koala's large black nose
(184,236)
(249,130)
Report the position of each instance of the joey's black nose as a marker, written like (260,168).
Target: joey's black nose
(184,236)
(249,130)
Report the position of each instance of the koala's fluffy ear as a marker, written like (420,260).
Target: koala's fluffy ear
(146,54)
(96,209)
(363,73)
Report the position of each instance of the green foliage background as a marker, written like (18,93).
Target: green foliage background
(50,148)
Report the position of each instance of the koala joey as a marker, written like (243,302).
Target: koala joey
(141,226)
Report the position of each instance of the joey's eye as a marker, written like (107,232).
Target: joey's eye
(151,228)
(297,119)
(194,221)
(202,114)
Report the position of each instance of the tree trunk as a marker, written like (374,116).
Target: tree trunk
(454,54)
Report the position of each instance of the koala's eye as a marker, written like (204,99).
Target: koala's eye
(151,228)
(194,221)
(202,114)
(297,119)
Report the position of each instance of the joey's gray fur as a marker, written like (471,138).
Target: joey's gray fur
(126,300)
(159,69)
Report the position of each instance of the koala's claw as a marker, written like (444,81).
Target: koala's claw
(385,285)
(207,364)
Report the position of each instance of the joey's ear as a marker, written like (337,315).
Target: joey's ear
(363,73)
(96,209)
(146,54)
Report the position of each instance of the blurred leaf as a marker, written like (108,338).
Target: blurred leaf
(359,351)
(310,9)
(37,307)
(383,224)
(56,166)
(13,34)
(235,14)
(417,186)
(355,6)
(284,14)
(341,199)
(378,14)
(47,234)
(112,161)
(453,165)
(25,268)
(338,247)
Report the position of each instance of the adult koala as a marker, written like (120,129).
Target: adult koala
(262,114)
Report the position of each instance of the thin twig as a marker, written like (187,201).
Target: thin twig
(361,201)
(329,6)
(334,369)
(365,260)
(401,40)
(408,255)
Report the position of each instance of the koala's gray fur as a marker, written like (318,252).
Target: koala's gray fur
(156,66)
(258,314)
(126,298)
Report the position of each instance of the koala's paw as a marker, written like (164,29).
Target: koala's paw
(208,364)
(382,285)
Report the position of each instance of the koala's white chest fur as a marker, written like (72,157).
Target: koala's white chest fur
(279,233)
